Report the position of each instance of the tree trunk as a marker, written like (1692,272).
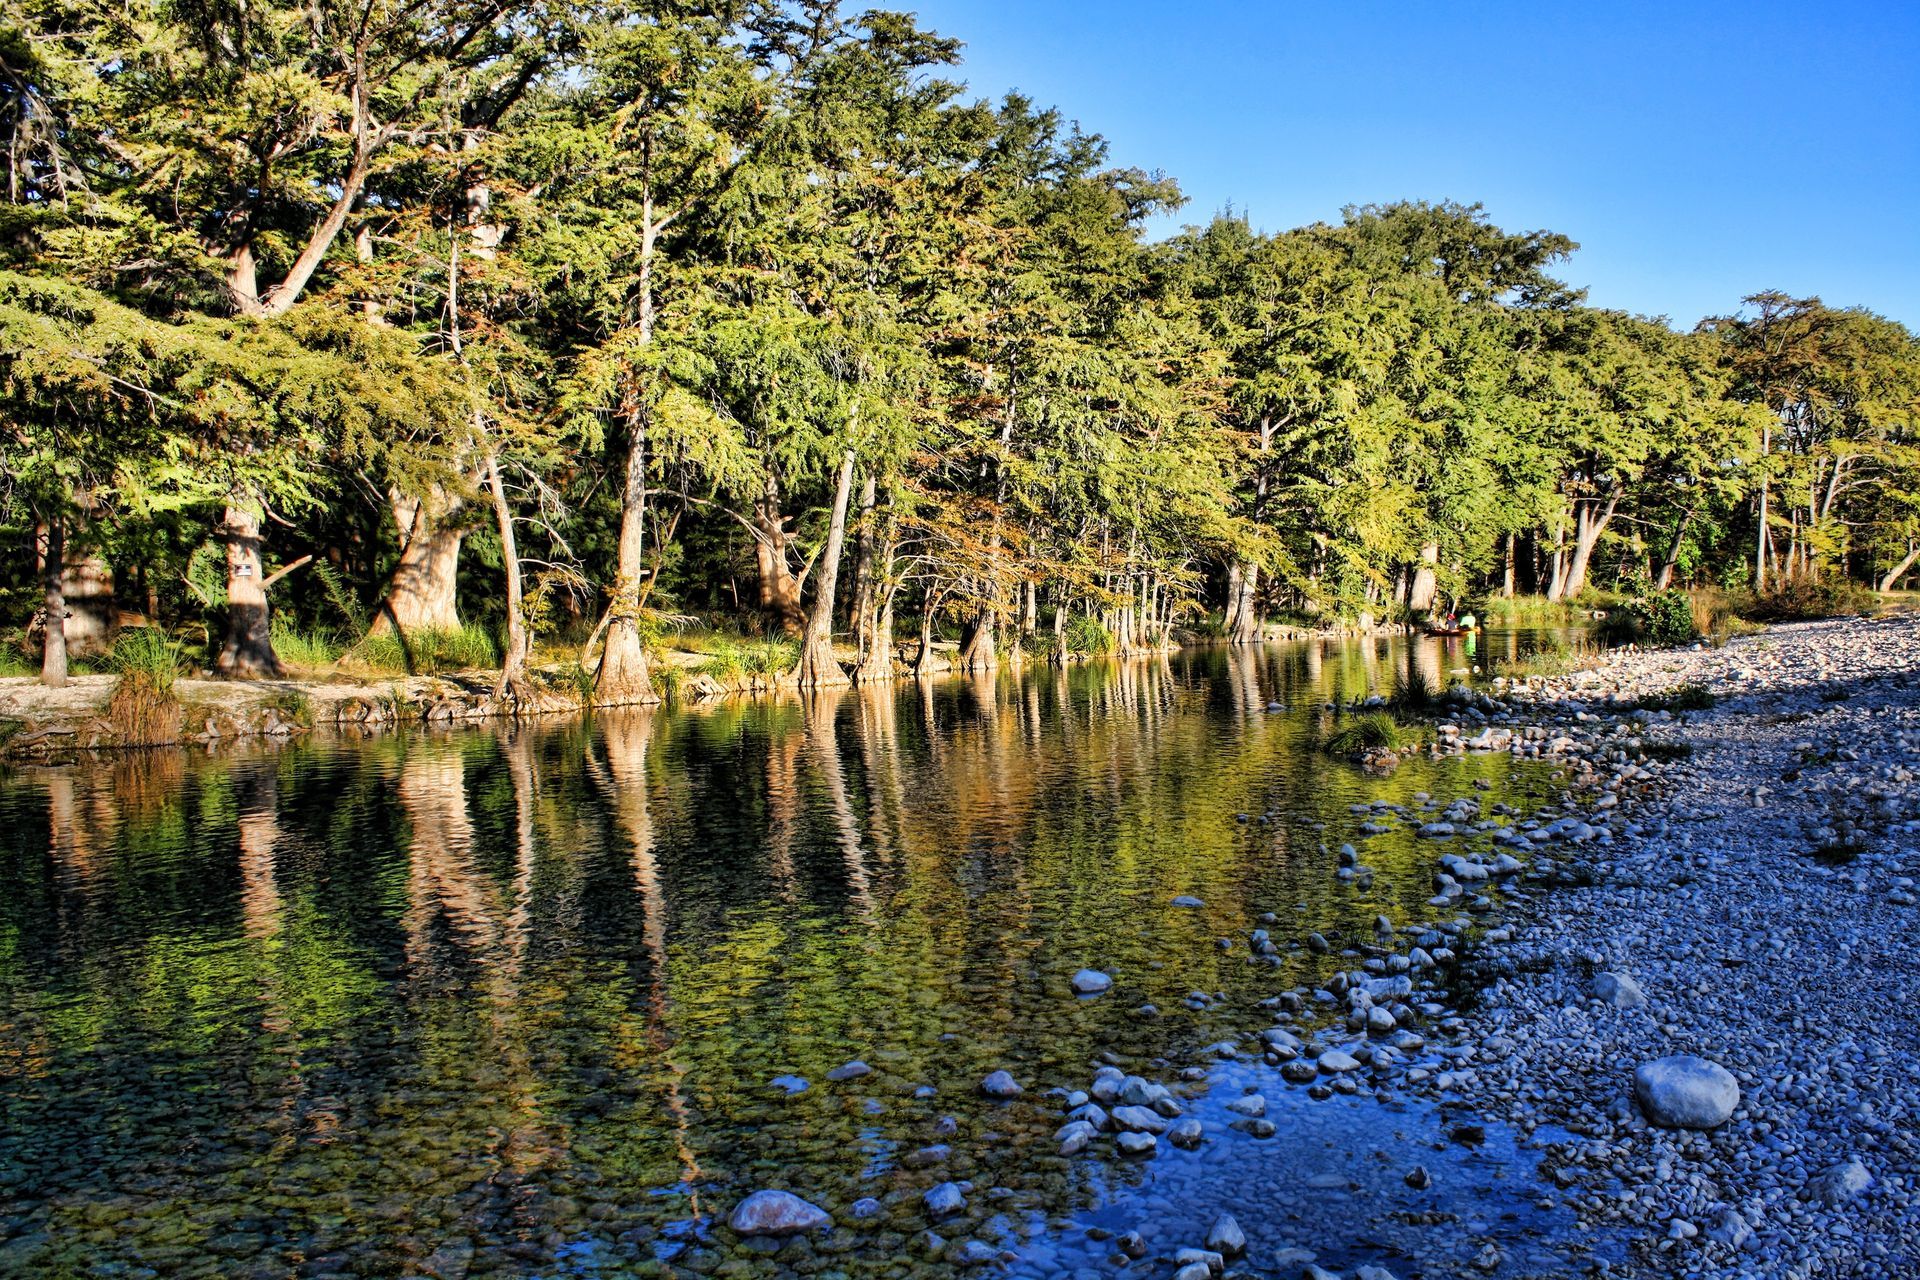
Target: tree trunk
(779,588)
(1426,582)
(624,675)
(1060,629)
(1587,531)
(864,591)
(1898,571)
(1245,628)
(422,594)
(977,648)
(86,583)
(513,667)
(247,653)
(1508,573)
(923,661)
(877,662)
(53,651)
(1671,561)
(817,665)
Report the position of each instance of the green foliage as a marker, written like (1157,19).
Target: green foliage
(1664,618)
(730,658)
(293,705)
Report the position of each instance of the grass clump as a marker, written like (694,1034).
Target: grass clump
(1087,637)
(1666,752)
(142,709)
(1682,697)
(1413,693)
(1361,734)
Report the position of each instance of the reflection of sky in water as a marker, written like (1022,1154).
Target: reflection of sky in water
(534,993)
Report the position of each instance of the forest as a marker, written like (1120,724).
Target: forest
(569,332)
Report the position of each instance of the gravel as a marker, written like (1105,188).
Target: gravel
(1760,892)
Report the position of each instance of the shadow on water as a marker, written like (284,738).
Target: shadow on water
(551,1000)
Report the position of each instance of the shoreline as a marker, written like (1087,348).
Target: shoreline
(37,723)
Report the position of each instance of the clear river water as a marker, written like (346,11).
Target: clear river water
(550,1000)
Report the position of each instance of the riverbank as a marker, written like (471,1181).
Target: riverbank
(1760,894)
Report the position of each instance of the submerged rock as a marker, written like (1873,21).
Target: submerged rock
(1685,1092)
(849,1071)
(776,1213)
(1188,900)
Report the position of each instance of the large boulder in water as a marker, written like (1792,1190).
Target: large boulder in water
(776,1213)
(1685,1092)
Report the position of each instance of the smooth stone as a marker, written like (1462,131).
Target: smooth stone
(1837,1184)
(1188,1134)
(1685,1092)
(1619,990)
(776,1213)
(1188,900)
(849,1071)
(865,1209)
(1140,1119)
(1136,1144)
(1335,1061)
(1091,982)
(1251,1104)
(1226,1238)
(944,1200)
(1001,1085)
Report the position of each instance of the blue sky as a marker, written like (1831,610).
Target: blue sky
(1698,152)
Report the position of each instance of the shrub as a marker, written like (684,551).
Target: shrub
(1374,731)
(1665,617)
(294,706)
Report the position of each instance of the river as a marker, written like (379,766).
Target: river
(551,1000)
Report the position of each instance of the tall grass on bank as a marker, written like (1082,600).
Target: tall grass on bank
(1804,599)
(426,653)
(143,710)
(733,657)
(308,650)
